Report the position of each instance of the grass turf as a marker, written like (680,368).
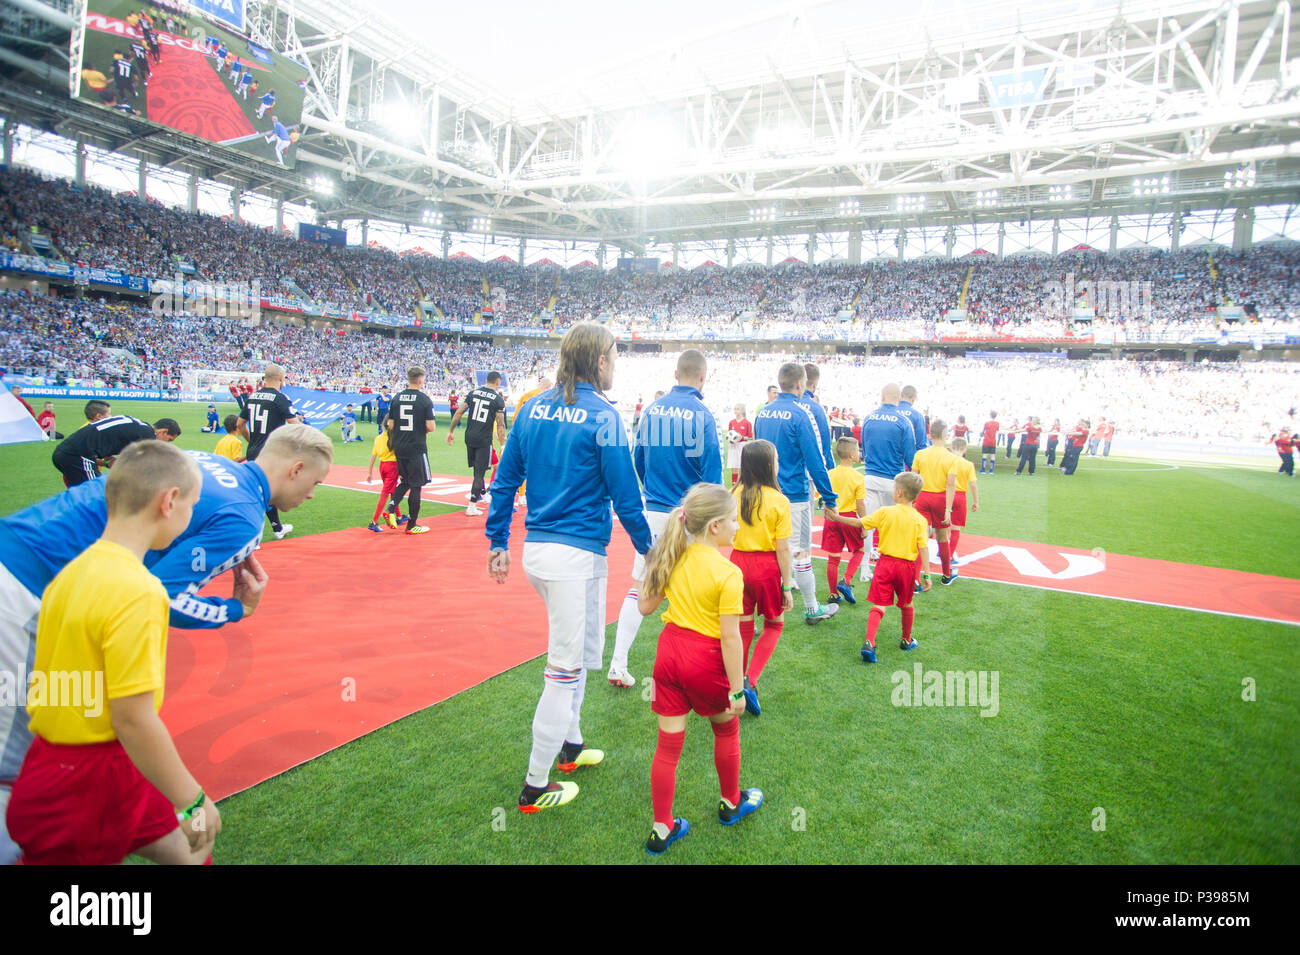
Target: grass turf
(1131,711)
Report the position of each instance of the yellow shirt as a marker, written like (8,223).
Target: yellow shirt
(934,464)
(771,521)
(902,530)
(230,447)
(703,586)
(101,634)
(528,396)
(849,486)
(381,449)
(965,475)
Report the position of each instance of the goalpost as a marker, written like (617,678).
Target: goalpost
(212,384)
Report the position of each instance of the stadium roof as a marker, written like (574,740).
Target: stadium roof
(772,118)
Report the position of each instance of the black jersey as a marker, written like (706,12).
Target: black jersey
(482,405)
(265,410)
(106,437)
(410,410)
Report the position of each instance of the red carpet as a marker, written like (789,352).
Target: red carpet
(258,697)
(333,654)
(1098,574)
(443,488)
(187,93)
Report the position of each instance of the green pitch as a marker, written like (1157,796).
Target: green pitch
(1121,734)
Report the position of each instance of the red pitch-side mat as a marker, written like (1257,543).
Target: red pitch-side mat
(1142,580)
(443,488)
(187,92)
(342,645)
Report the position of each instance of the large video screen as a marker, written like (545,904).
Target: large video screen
(176,65)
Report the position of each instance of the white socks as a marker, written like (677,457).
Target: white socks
(807,584)
(556,712)
(574,735)
(629,622)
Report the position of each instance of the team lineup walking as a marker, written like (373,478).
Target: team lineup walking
(723,555)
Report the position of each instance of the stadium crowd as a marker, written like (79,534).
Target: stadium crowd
(1018,296)
(115,345)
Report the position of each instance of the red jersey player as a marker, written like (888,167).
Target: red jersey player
(743,429)
(1053,437)
(989,447)
(1285,442)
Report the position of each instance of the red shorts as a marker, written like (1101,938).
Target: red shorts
(893,577)
(689,674)
(837,537)
(930,504)
(388,474)
(84,805)
(959,509)
(762,576)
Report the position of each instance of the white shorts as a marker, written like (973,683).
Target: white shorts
(656,520)
(733,453)
(801,525)
(880,492)
(571,582)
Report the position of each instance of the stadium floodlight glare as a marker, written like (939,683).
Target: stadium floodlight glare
(986,198)
(431,217)
(1151,185)
(1061,193)
(782,139)
(324,185)
(398,117)
(849,207)
(645,148)
(764,214)
(1242,178)
(910,203)
(480,224)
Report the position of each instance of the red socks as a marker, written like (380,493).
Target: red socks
(833,572)
(954,535)
(663,773)
(746,638)
(726,757)
(873,623)
(908,613)
(945,557)
(767,641)
(855,562)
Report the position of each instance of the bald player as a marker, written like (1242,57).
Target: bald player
(888,446)
(676,448)
(266,410)
(938,468)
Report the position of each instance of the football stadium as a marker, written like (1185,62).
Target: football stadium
(908,394)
